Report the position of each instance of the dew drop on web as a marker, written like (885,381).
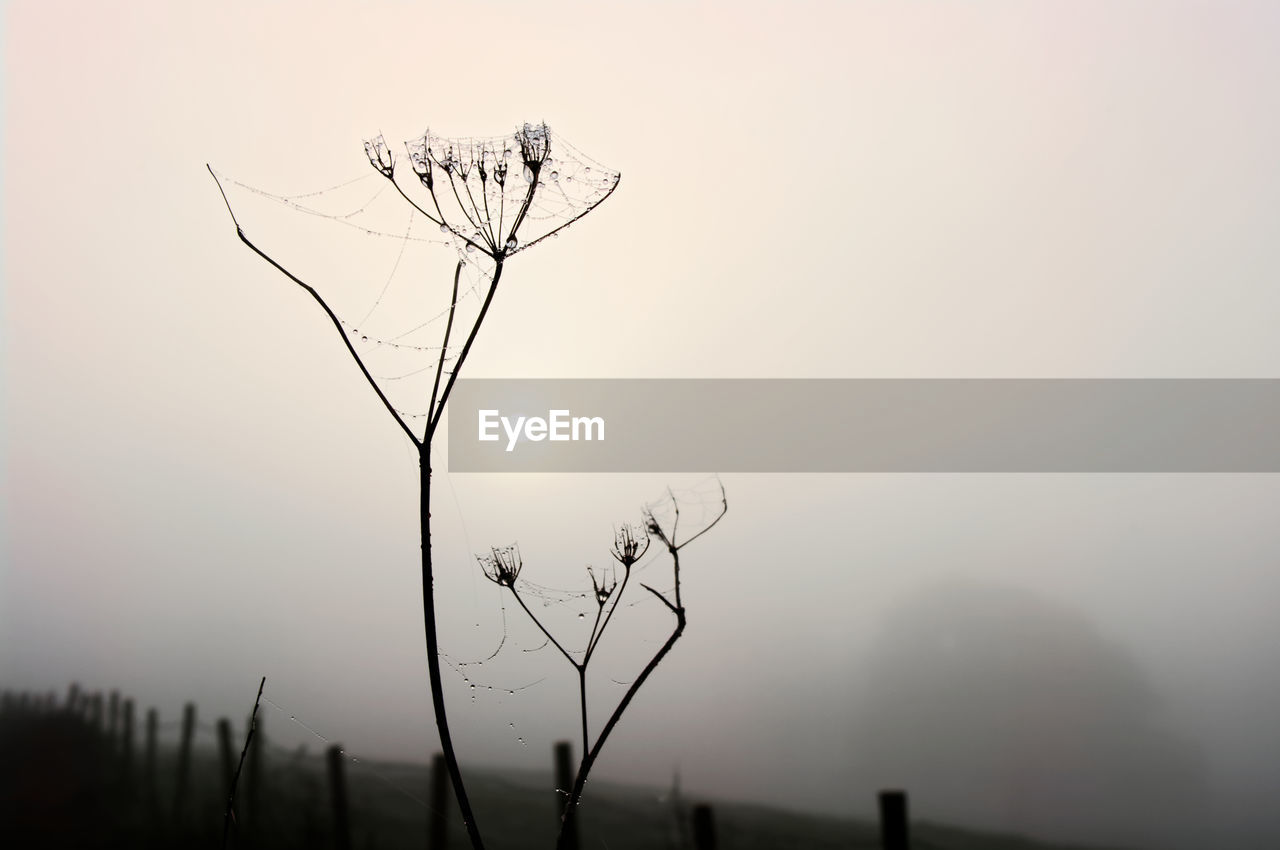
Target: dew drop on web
(528,174)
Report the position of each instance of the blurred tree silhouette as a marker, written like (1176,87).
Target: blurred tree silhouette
(1002,708)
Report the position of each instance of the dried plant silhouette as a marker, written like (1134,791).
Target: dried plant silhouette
(229,814)
(503,565)
(490,199)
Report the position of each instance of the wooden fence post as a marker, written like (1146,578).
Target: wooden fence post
(150,777)
(113,720)
(184,760)
(564,785)
(704,828)
(439,831)
(224,751)
(893,820)
(338,790)
(126,745)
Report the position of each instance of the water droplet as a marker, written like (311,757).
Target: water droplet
(582,616)
(587,169)
(528,174)
(471,249)
(511,243)
(473,687)
(511,692)
(512,725)
(506,154)
(444,228)
(291,717)
(555,175)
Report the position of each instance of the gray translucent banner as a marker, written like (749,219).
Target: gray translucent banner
(890,425)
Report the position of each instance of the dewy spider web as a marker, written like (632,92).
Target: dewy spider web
(382,249)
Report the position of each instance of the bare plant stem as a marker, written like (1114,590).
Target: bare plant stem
(229,815)
(433,654)
(582,693)
(589,757)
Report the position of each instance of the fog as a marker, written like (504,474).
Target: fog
(200,490)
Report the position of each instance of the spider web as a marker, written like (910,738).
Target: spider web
(382,249)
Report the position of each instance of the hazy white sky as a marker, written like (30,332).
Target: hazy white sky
(199,490)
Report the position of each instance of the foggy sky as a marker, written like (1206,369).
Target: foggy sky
(200,490)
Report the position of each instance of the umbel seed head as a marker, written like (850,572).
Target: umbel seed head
(604,585)
(380,156)
(629,544)
(502,565)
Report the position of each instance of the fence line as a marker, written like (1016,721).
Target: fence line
(112,720)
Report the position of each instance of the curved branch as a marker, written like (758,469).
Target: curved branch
(337,323)
(724,509)
(570,221)
(543,628)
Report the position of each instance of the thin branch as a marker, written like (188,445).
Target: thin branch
(433,417)
(229,815)
(572,220)
(724,509)
(543,628)
(444,349)
(525,204)
(675,523)
(414,204)
(617,599)
(438,221)
(337,323)
(458,198)
(664,599)
(487,223)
